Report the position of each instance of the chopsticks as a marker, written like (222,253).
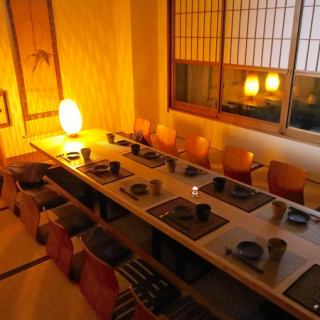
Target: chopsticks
(123,190)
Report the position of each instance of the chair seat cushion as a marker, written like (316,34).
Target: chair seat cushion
(29,172)
(106,247)
(73,219)
(148,284)
(46,197)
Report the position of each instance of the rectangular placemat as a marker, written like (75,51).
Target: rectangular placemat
(253,202)
(193,227)
(105,177)
(309,231)
(142,200)
(306,289)
(200,179)
(273,271)
(151,163)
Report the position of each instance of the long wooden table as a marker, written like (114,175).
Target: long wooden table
(252,223)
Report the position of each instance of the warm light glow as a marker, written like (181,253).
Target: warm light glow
(272,82)
(251,86)
(70,117)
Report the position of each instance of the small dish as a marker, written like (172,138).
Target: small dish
(183,212)
(191,171)
(123,143)
(73,155)
(151,155)
(241,192)
(297,216)
(250,249)
(100,169)
(139,188)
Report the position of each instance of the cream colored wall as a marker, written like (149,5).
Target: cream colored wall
(265,146)
(94,45)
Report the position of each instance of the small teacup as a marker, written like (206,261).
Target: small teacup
(219,183)
(110,137)
(114,167)
(278,208)
(155,187)
(171,164)
(85,152)
(203,211)
(135,148)
(277,248)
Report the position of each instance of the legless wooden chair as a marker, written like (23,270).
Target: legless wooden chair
(144,126)
(166,138)
(237,164)
(197,149)
(287,181)
(61,250)
(9,189)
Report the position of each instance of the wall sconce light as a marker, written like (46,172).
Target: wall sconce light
(251,86)
(272,82)
(70,117)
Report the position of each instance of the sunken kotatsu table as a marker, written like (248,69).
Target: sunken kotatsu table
(237,226)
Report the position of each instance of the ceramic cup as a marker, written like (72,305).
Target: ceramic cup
(85,152)
(219,183)
(110,137)
(155,187)
(277,248)
(135,148)
(278,209)
(203,211)
(171,164)
(114,167)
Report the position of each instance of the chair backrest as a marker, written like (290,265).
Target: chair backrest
(197,149)
(237,164)
(30,213)
(9,189)
(166,138)
(59,246)
(99,284)
(287,181)
(144,126)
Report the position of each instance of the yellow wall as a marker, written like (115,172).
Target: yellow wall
(94,45)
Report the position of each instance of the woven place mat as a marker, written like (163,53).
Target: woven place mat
(309,231)
(306,290)
(105,177)
(200,179)
(193,228)
(144,200)
(249,204)
(274,271)
(151,163)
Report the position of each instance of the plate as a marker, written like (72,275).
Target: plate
(191,171)
(250,249)
(183,212)
(123,142)
(100,168)
(296,216)
(73,155)
(139,188)
(151,155)
(241,192)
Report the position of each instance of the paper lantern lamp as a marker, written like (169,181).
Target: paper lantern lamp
(272,82)
(251,86)
(70,117)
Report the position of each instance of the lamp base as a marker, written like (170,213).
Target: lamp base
(73,135)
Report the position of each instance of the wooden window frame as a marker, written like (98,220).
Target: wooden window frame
(280,128)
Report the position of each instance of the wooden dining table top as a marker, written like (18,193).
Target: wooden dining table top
(307,252)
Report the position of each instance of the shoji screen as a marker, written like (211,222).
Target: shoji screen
(258,32)
(308,58)
(197,30)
